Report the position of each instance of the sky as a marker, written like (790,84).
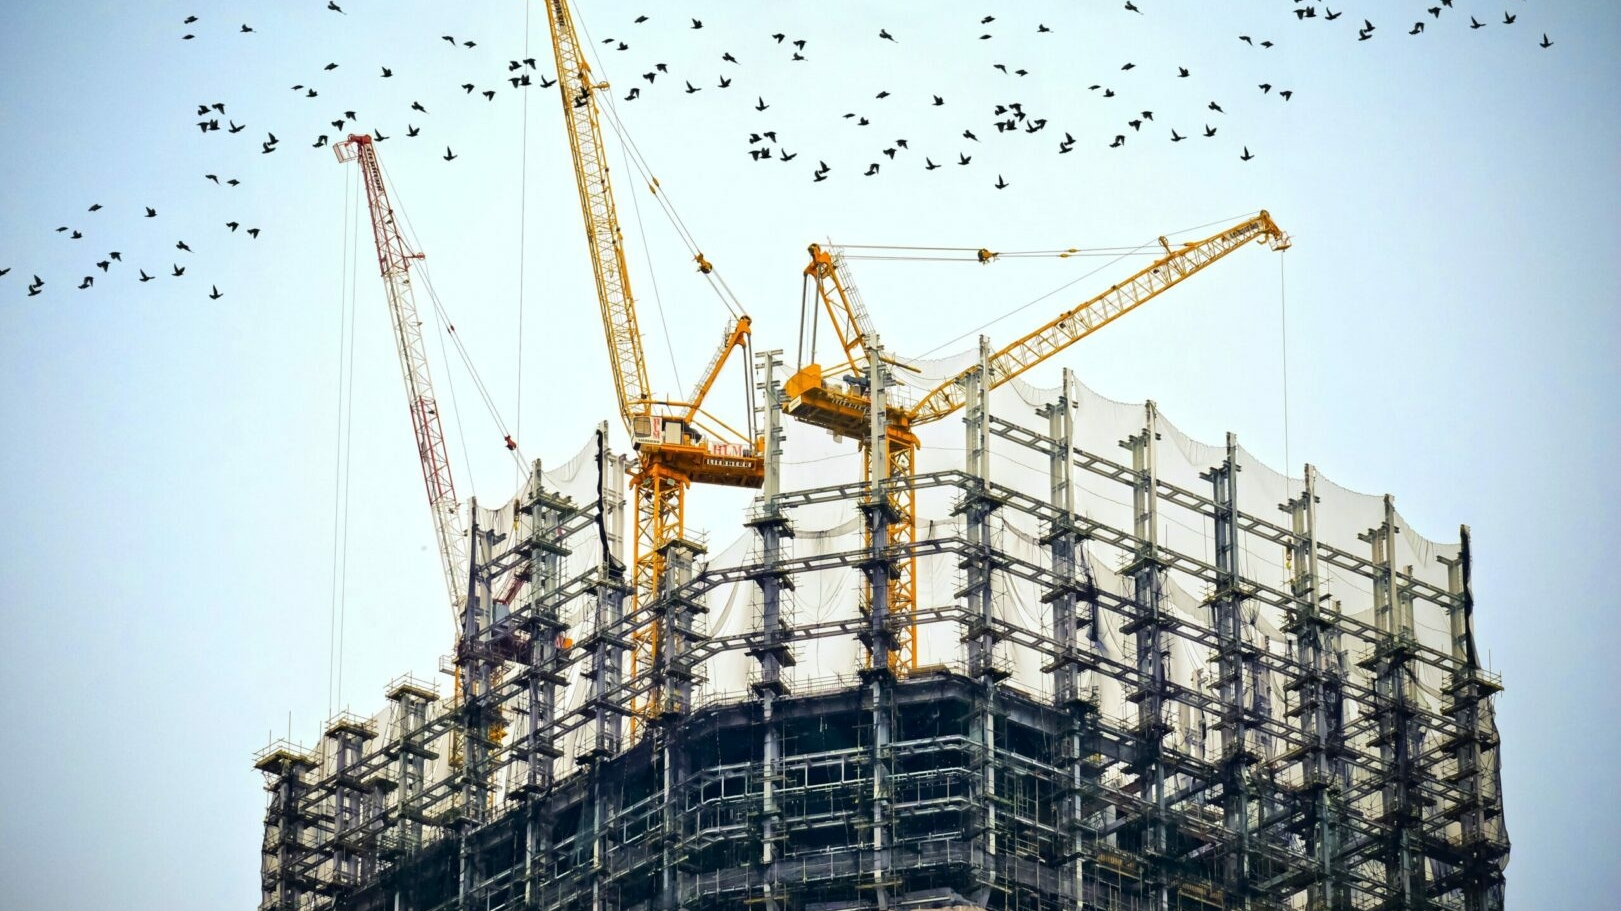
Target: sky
(198,488)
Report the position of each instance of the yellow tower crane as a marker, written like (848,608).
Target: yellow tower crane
(844,408)
(678,443)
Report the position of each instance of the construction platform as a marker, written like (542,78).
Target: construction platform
(1148,674)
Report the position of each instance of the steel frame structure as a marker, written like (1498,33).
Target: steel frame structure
(950,787)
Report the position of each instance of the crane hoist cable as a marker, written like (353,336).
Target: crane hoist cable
(450,330)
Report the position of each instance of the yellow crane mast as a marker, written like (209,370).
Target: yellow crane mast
(678,443)
(815,395)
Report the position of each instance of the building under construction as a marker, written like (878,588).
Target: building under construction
(1065,659)
(1139,672)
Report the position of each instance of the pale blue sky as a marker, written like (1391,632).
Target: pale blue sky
(169,460)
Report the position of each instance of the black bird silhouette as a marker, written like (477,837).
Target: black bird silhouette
(789,156)
(1132,8)
(319,141)
(861,122)
(987,20)
(104,265)
(1175,136)
(232,225)
(759,103)
(530,61)
(233,182)
(1215,107)
(253,233)
(334,7)
(985,37)
(272,140)
(145,277)
(545,84)
(489,94)
(1135,124)
(214,293)
(964,159)
(1148,115)
(448,40)
(115,256)
(1042,29)
(770,134)
(1108,93)
(181,245)
(1475,23)
(1286,94)
(890,152)
(1434,11)
(88,281)
(799,43)
(214,177)
(928,164)
(4,271)
(1129,65)
(411,131)
(779,36)
(634,93)
(1182,72)
(1000,183)
(882,95)
(311,94)
(1118,142)
(469,44)
(871,169)
(968,134)
(378,135)
(1209,131)
(1246,40)
(1246,156)
(1330,15)
(697,24)
(187,37)
(938,101)
(691,89)
(724,83)
(235,128)
(337,124)
(449,155)
(818,176)
(186,21)
(468,87)
(640,19)
(179,271)
(94,207)
(417,106)
(1417,27)
(33,290)
(1545,41)
(797,56)
(1265,87)
(999,66)
(266,148)
(728,58)
(387,73)
(330,67)
(886,35)
(62,230)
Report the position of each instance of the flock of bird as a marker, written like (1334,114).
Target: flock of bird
(1006,118)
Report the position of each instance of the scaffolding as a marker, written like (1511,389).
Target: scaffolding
(1153,675)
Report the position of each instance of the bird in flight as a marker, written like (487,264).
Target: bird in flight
(179,270)
(964,159)
(1475,23)
(181,245)
(1131,8)
(871,170)
(928,164)
(697,24)
(1215,107)
(1246,156)
(886,35)
(759,103)
(1000,183)
(1545,41)
(214,292)
(145,277)
(968,134)
(449,155)
(333,6)
(387,73)
(1175,136)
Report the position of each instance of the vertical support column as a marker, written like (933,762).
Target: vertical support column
(1235,672)
(1319,705)
(351,847)
(1399,738)
(283,851)
(608,648)
(1147,573)
(1074,610)
(878,635)
(404,837)
(475,671)
(673,677)
(981,636)
(543,514)
(1481,845)
(772,651)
